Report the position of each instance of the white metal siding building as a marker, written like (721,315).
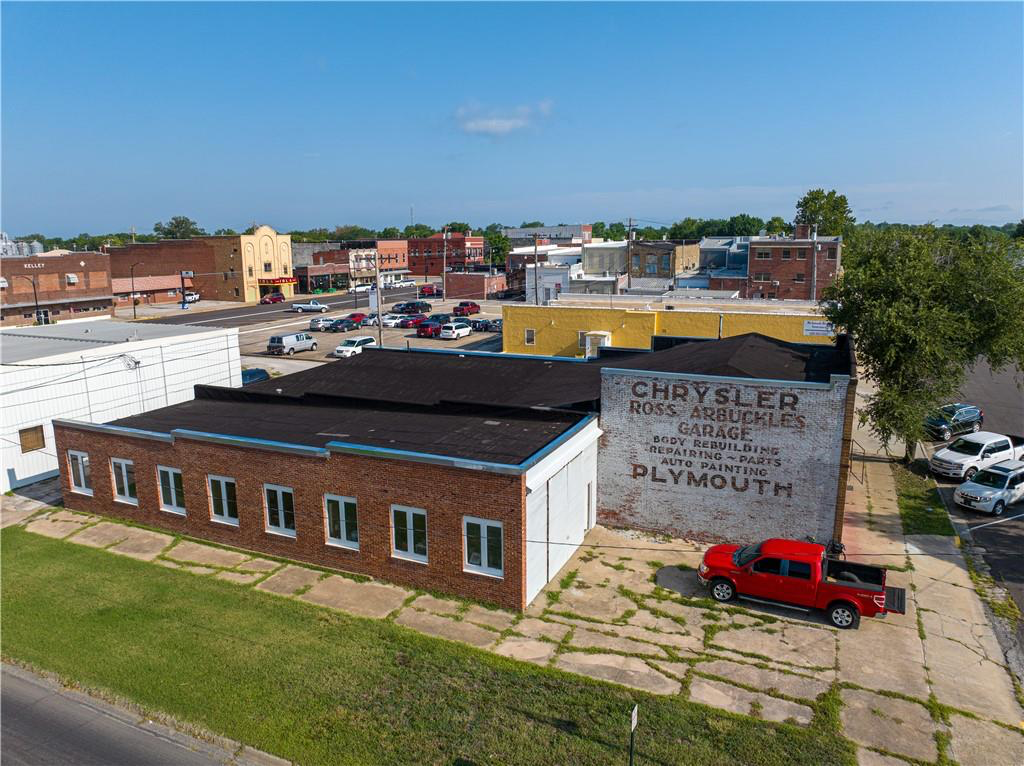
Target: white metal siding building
(97,372)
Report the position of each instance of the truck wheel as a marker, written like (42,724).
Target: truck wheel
(298,310)
(722,590)
(291,351)
(946,434)
(998,508)
(969,474)
(323,310)
(844,616)
(313,347)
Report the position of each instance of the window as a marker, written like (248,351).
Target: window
(764,255)
(223,500)
(831,254)
(236,292)
(124,481)
(284,268)
(785,255)
(483,546)
(31,438)
(342,525)
(280,509)
(768,566)
(801,254)
(267,266)
(798,277)
(530,337)
(652,268)
(762,276)
(172,492)
(78,462)
(250,271)
(410,533)
(666,262)
(581,338)
(799,569)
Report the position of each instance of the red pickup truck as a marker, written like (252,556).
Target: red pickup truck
(802,576)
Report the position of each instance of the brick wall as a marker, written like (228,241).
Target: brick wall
(63,300)
(748,462)
(447,494)
(470,286)
(786,267)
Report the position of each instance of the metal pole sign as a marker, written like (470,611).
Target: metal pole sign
(632,731)
(185,275)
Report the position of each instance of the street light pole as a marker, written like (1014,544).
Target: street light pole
(444,264)
(132,272)
(35,295)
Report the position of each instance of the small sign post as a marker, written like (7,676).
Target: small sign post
(632,731)
(184,275)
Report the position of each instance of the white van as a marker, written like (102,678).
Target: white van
(289,344)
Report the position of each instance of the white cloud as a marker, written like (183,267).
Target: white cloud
(476,120)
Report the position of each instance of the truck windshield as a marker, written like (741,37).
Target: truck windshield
(989,479)
(965,447)
(746,554)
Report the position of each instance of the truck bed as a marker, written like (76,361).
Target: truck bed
(852,575)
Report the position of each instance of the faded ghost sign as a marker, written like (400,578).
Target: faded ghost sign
(719,459)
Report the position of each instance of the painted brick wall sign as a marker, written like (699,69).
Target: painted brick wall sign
(720,458)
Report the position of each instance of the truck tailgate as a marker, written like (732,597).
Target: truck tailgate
(895,600)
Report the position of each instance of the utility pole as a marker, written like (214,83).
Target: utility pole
(814,263)
(132,272)
(536,272)
(444,263)
(184,303)
(629,255)
(35,296)
(133,234)
(380,299)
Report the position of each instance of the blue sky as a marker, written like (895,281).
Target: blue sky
(301,115)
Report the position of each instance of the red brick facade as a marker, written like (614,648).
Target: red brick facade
(785,269)
(426,254)
(375,483)
(474,285)
(72,286)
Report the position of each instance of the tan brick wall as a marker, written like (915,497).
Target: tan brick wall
(447,494)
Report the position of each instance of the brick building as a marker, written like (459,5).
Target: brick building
(663,258)
(166,289)
(474,285)
(799,267)
(572,234)
(65,286)
(345,264)
(427,254)
(481,479)
(241,267)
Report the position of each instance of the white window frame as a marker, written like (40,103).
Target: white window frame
(343,541)
(581,338)
(121,464)
(482,568)
(82,459)
(763,255)
(529,337)
(409,555)
(178,506)
(222,518)
(271,528)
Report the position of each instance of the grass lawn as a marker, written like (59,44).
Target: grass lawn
(916,493)
(322,688)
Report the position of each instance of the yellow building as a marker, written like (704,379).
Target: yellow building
(563,329)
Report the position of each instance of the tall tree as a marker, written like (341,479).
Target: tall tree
(685,229)
(829,211)
(598,230)
(417,230)
(616,231)
(390,232)
(530,224)
(922,306)
(352,231)
(494,228)
(463,228)
(744,225)
(179,227)
(225,232)
(497,247)
(777,225)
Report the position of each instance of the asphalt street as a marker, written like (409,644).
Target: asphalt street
(40,723)
(1003,404)
(246,315)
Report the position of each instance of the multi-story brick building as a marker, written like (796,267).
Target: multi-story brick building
(427,254)
(241,267)
(799,267)
(338,265)
(62,286)
(663,258)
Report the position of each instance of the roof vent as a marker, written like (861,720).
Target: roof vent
(670,308)
(492,422)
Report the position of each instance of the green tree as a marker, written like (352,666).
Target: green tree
(179,227)
(744,225)
(497,247)
(390,232)
(225,232)
(463,228)
(829,211)
(351,231)
(685,229)
(616,231)
(922,306)
(776,225)
(417,230)
(598,230)
(494,228)
(530,224)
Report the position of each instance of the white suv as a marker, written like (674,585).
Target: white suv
(455,330)
(992,489)
(353,346)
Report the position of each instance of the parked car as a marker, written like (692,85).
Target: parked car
(479,325)
(320,323)
(289,344)
(428,329)
(272,298)
(313,305)
(370,320)
(465,308)
(801,575)
(413,320)
(357,317)
(494,325)
(431,291)
(952,420)
(411,307)
(342,325)
(440,318)
(969,454)
(993,489)
(254,375)
(353,346)
(364,288)
(455,330)
(392,320)
(403,283)
(191,297)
